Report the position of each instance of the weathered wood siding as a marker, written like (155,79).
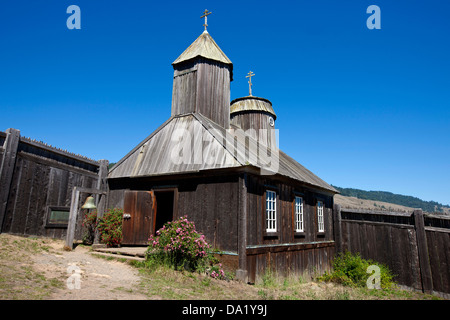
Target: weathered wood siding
(302,259)
(254,123)
(417,253)
(287,251)
(202,85)
(213,97)
(184,93)
(2,140)
(286,193)
(214,202)
(438,241)
(210,202)
(252,120)
(389,239)
(43,177)
(137,229)
(213,205)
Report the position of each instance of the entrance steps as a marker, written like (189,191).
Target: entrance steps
(129,253)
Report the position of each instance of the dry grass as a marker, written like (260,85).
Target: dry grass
(165,283)
(21,278)
(18,278)
(355,203)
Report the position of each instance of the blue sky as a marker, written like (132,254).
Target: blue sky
(360,108)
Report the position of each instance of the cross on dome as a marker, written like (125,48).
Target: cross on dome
(250,75)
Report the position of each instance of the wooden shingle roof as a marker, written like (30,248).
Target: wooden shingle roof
(251,103)
(204,46)
(166,152)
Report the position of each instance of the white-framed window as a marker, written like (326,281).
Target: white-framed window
(271,211)
(298,214)
(320,222)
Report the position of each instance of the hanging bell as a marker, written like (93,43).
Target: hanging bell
(89,204)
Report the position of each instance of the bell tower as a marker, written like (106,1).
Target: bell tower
(201,81)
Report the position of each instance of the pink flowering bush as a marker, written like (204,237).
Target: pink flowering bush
(217,272)
(178,244)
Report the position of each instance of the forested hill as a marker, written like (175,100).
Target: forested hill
(408,201)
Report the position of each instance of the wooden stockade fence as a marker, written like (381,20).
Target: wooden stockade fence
(416,247)
(36,178)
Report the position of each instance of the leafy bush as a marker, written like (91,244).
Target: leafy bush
(351,270)
(180,246)
(110,227)
(89,224)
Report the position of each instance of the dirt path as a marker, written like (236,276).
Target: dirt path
(38,268)
(87,277)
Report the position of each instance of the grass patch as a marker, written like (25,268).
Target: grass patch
(18,280)
(162,281)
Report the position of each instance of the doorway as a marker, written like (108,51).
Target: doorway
(164,208)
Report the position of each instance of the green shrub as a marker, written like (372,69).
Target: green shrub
(180,246)
(110,227)
(351,270)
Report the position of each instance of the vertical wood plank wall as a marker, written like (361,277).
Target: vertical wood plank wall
(42,177)
(213,97)
(214,204)
(416,247)
(211,202)
(202,86)
(287,252)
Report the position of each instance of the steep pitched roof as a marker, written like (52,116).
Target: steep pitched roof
(204,46)
(166,152)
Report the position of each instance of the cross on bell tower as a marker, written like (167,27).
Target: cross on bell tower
(205,15)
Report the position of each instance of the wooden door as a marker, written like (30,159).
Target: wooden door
(138,223)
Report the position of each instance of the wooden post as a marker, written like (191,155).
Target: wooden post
(74,211)
(242,272)
(7,165)
(101,199)
(337,220)
(422,248)
(72,217)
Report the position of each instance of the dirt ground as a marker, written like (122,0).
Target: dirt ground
(42,269)
(97,278)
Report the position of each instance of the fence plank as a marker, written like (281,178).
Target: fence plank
(425,268)
(337,227)
(7,164)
